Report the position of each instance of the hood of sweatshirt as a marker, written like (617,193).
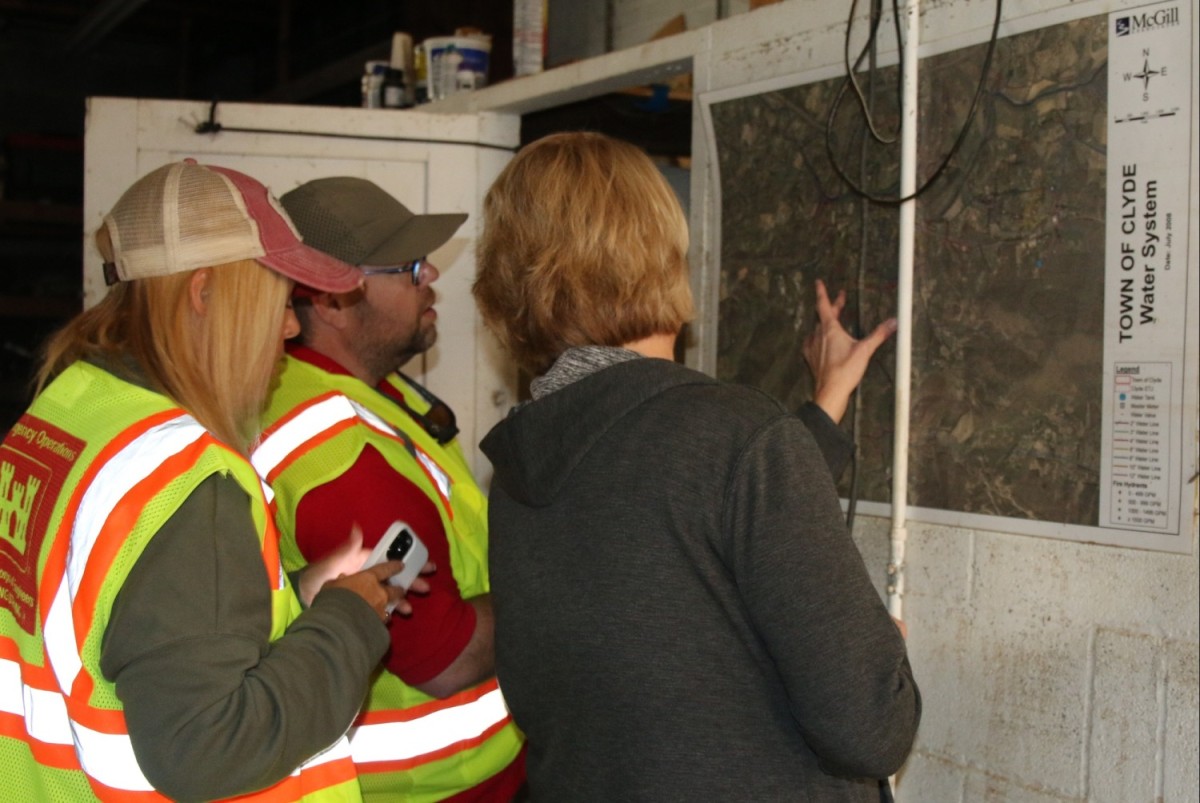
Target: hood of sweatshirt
(537,447)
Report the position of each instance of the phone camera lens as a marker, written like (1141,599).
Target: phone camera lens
(400,546)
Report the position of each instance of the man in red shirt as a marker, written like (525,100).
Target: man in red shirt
(349,441)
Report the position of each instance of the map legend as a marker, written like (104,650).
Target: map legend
(1141,427)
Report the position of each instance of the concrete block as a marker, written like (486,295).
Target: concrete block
(983,787)
(939,564)
(1124,718)
(1181,743)
(1029,716)
(929,777)
(1000,694)
(872,537)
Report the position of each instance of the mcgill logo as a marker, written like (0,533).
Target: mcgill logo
(1162,18)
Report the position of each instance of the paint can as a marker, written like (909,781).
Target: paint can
(456,64)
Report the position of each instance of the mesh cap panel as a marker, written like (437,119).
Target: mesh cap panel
(185,216)
(178,220)
(217,228)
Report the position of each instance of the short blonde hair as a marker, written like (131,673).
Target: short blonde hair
(583,243)
(218,366)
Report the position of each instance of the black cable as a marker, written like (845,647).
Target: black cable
(211,126)
(868,106)
(876,17)
(962,134)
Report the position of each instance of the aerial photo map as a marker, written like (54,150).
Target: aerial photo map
(1009,278)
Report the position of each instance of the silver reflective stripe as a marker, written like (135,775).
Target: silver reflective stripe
(58,639)
(440,477)
(394,741)
(106,757)
(114,479)
(435,471)
(374,420)
(276,447)
(44,712)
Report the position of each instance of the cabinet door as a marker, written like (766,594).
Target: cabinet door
(431,162)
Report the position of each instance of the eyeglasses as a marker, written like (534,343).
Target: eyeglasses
(439,420)
(414,267)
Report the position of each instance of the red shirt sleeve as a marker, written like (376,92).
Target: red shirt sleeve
(372,495)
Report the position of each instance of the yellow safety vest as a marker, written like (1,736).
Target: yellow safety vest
(87,477)
(404,743)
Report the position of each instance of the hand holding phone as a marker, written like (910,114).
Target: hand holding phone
(400,542)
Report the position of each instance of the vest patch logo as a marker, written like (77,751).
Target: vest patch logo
(35,459)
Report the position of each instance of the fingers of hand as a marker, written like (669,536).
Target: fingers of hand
(886,329)
(393,596)
(824,308)
(382,571)
(879,335)
(839,304)
(397,602)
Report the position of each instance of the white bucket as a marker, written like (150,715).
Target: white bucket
(456,64)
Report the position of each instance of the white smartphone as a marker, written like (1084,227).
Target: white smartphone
(400,542)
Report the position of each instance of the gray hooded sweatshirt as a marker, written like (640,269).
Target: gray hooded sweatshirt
(680,611)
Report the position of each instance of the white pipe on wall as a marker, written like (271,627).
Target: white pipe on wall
(908,213)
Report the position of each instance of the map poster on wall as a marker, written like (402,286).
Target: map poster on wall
(1146,261)
(1054,332)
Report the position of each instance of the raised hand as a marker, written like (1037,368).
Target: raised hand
(838,361)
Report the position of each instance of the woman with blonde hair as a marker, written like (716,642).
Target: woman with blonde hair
(149,640)
(680,612)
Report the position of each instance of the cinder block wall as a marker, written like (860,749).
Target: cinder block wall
(1051,670)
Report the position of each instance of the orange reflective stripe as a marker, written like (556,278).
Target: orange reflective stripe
(111,538)
(338,428)
(102,537)
(119,524)
(310,444)
(108,544)
(291,416)
(56,561)
(58,756)
(429,707)
(434,755)
(101,720)
(269,431)
(270,550)
(110,795)
(312,781)
(40,677)
(437,486)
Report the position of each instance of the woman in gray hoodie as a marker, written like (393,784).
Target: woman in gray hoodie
(680,611)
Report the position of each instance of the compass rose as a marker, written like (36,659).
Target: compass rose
(1146,74)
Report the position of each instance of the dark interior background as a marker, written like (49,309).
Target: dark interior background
(56,53)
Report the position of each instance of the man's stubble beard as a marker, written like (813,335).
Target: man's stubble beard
(388,357)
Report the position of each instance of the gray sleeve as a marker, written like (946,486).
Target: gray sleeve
(213,707)
(836,446)
(840,656)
